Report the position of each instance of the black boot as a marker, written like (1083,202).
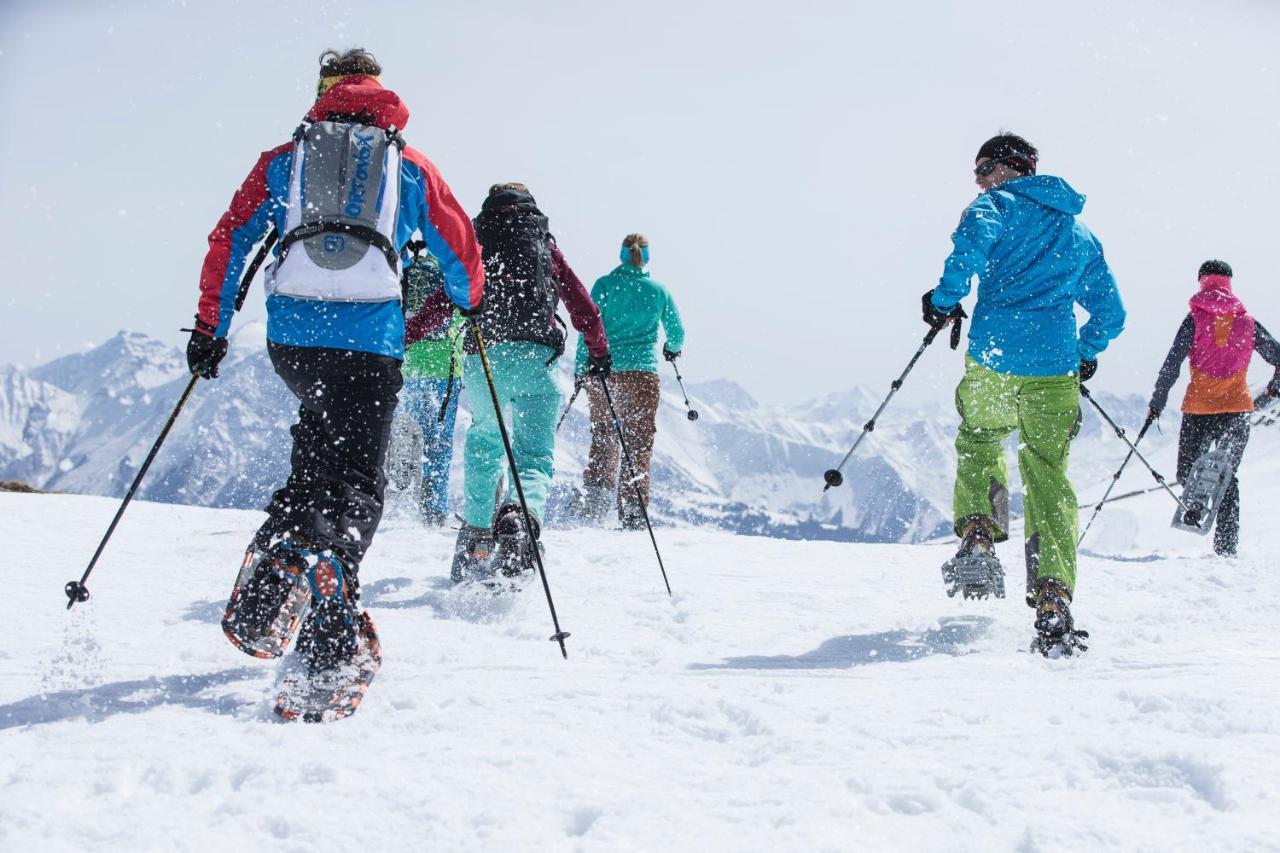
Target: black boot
(515,544)
(329,638)
(974,571)
(1056,633)
(592,504)
(472,553)
(631,515)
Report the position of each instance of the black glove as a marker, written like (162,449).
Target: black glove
(204,351)
(599,365)
(1154,411)
(933,317)
(1088,367)
(669,355)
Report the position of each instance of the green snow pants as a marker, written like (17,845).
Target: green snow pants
(530,401)
(1045,410)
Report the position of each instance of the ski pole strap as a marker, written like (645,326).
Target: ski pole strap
(956,325)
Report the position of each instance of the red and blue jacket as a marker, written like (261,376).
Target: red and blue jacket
(426,205)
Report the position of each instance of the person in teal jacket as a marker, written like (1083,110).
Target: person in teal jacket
(1034,262)
(633,307)
(432,378)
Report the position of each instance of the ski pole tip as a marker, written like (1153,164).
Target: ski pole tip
(560,638)
(833,478)
(693,414)
(75,591)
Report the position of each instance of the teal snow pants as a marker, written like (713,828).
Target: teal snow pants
(530,402)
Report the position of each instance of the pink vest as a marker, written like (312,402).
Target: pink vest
(1223,342)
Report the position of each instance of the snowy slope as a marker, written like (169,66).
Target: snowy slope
(791,696)
(84,423)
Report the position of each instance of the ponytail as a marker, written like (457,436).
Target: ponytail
(635,250)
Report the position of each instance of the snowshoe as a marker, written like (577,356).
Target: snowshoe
(472,554)
(974,571)
(1203,492)
(514,557)
(1056,634)
(316,693)
(268,602)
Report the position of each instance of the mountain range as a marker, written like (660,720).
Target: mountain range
(83,423)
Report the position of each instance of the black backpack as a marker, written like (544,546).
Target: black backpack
(520,297)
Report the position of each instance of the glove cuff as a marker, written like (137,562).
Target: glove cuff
(203,328)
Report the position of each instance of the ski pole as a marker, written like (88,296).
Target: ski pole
(559,636)
(833,476)
(1116,477)
(635,482)
(1084,392)
(1135,493)
(577,386)
(692,413)
(76,590)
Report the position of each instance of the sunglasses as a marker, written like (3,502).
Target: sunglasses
(984,169)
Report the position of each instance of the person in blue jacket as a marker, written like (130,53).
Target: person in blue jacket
(1033,262)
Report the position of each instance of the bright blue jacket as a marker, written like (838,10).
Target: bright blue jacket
(1033,262)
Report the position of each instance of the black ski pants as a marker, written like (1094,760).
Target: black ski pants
(1230,431)
(333,497)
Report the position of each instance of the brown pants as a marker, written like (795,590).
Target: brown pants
(635,397)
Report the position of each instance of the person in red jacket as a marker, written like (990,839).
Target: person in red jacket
(345,195)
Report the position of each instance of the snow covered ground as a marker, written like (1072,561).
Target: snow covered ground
(790,696)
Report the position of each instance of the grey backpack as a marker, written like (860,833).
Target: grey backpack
(344,194)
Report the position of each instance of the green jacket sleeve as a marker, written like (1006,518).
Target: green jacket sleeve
(672,326)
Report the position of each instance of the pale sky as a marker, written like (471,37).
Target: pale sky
(797,166)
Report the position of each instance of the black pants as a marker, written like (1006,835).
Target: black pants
(333,497)
(1230,432)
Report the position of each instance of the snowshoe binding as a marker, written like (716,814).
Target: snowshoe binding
(1203,492)
(269,600)
(1056,634)
(317,693)
(974,572)
(472,554)
(515,557)
(339,645)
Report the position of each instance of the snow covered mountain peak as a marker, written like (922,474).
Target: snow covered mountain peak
(83,423)
(128,361)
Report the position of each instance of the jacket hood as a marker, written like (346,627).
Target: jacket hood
(1047,190)
(1216,299)
(510,201)
(360,95)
